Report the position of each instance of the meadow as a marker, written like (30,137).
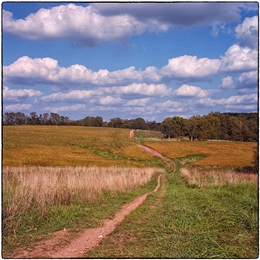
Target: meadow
(71,146)
(75,177)
(214,153)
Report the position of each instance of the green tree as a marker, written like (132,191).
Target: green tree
(115,122)
(167,127)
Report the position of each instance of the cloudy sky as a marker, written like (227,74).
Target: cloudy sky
(129,60)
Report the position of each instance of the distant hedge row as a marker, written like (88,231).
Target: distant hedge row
(214,126)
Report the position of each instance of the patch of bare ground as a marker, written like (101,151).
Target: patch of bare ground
(60,245)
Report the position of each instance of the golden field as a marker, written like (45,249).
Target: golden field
(70,146)
(216,153)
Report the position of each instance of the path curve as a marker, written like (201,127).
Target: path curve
(89,239)
(155,153)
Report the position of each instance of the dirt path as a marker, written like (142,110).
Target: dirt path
(61,246)
(155,153)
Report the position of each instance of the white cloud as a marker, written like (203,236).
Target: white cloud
(138,102)
(65,108)
(170,107)
(84,26)
(26,70)
(16,95)
(239,59)
(232,101)
(244,99)
(227,83)
(88,26)
(248,80)
(248,32)
(142,89)
(190,68)
(17,107)
(74,95)
(31,71)
(109,100)
(190,91)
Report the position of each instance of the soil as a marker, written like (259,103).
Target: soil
(60,245)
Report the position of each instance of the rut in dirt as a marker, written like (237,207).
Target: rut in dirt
(91,237)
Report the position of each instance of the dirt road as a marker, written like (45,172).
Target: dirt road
(59,245)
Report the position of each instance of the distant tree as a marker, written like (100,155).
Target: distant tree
(167,127)
(9,118)
(179,126)
(34,120)
(152,125)
(191,127)
(54,119)
(115,122)
(46,119)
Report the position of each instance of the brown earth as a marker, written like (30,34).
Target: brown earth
(60,245)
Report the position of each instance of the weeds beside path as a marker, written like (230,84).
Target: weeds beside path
(89,239)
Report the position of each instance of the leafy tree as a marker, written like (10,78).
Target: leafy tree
(34,120)
(191,127)
(167,127)
(115,122)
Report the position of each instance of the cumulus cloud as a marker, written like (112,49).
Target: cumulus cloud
(84,26)
(227,83)
(170,107)
(232,101)
(130,95)
(138,102)
(191,68)
(18,95)
(26,70)
(17,107)
(109,100)
(190,91)
(74,95)
(183,69)
(248,80)
(142,89)
(76,107)
(88,26)
(248,32)
(239,59)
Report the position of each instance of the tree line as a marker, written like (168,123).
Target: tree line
(214,126)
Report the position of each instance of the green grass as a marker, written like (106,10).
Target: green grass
(182,222)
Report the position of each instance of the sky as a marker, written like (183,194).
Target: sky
(150,60)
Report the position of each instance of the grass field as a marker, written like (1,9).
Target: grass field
(218,153)
(71,146)
(200,212)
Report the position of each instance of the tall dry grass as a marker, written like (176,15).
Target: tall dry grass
(40,187)
(199,178)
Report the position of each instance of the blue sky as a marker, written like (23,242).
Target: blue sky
(129,60)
